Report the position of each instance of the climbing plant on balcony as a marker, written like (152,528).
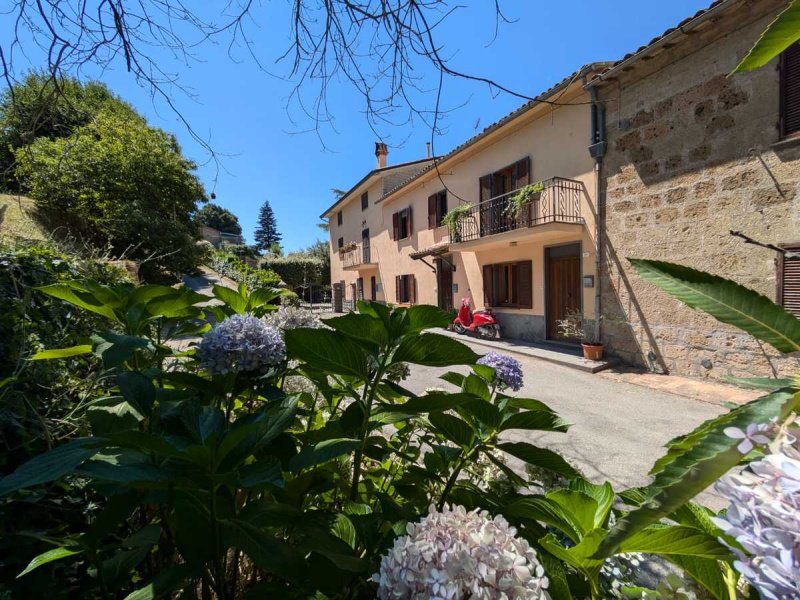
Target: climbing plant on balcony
(452,220)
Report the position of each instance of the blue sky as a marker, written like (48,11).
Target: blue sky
(242,111)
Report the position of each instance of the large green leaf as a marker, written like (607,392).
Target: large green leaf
(548,512)
(50,465)
(453,428)
(717,577)
(542,420)
(327,351)
(726,301)
(580,556)
(263,548)
(434,402)
(62,352)
(360,327)
(676,539)
(582,509)
(433,350)
(540,457)
(137,390)
(323,452)
(233,299)
(781,33)
(426,316)
(695,462)
(115,348)
(48,557)
(82,298)
(603,494)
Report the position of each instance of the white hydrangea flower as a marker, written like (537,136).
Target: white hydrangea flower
(764,517)
(291,317)
(455,555)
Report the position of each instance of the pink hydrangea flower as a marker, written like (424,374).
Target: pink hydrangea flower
(455,555)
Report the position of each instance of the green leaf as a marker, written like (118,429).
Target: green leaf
(62,352)
(323,452)
(233,299)
(433,350)
(137,390)
(717,577)
(696,461)
(361,327)
(457,379)
(558,588)
(485,413)
(541,420)
(582,509)
(759,383)
(78,296)
(426,316)
(602,494)
(48,557)
(540,457)
(726,301)
(580,556)
(327,351)
(179,304)
(547,511)
(781,33)
(115,348)
(50,465)
(263,548)
(676,539)
(266,470)
(453,428)
(111,414)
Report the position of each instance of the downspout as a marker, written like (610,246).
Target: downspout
(597,149)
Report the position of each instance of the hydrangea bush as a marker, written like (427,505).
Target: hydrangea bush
(507,369)
(241,343)
(764,512)
(458,554)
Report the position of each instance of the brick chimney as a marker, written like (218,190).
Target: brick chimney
(381,152)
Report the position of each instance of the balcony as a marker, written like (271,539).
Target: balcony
(559,201)
(359,257)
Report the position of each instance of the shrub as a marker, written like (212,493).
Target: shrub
(295,270)
(229,265)
(121,184)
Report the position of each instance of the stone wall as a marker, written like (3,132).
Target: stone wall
(693,154)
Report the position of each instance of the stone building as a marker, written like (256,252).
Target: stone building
(692,154)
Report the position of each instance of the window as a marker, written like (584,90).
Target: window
(401,224)
(339,218)
(789,280)
(373,288)
(406,291)
(360,288)
(364,201)
(340,243)
(508,284)
(437,209)
(505,180)
(790,91)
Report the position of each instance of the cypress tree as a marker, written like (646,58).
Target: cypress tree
(267,232)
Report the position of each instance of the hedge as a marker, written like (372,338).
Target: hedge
(295,271)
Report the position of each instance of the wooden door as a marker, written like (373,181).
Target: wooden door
(444,276)
(563,290)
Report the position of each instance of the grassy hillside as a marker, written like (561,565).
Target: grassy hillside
(16,218)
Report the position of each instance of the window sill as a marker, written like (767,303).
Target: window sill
(788,142)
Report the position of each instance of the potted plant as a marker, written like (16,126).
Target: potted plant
(574,326)
(348,247)
(452,220)
(524,196)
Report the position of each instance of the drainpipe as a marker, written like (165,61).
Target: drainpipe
(597,149)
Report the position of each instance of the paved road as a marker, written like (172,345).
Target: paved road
(618,429)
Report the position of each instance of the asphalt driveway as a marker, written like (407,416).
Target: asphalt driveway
(618,429)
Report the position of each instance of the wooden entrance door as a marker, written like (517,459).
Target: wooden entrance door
(444,283)
(563,286)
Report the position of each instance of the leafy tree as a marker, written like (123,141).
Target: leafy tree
(219,218)
(40,106)
(267,234)
(118,183)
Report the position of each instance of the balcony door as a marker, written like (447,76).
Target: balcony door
(365,246)
(562,286)
(494,214)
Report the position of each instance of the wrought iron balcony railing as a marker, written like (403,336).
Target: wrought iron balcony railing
(360,255)
(559,201)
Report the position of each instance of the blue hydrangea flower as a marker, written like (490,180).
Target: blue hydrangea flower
(241,343)
(508,369)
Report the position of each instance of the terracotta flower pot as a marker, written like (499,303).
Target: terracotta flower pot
(592,351)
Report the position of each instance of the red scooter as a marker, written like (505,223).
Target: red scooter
(480,322)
